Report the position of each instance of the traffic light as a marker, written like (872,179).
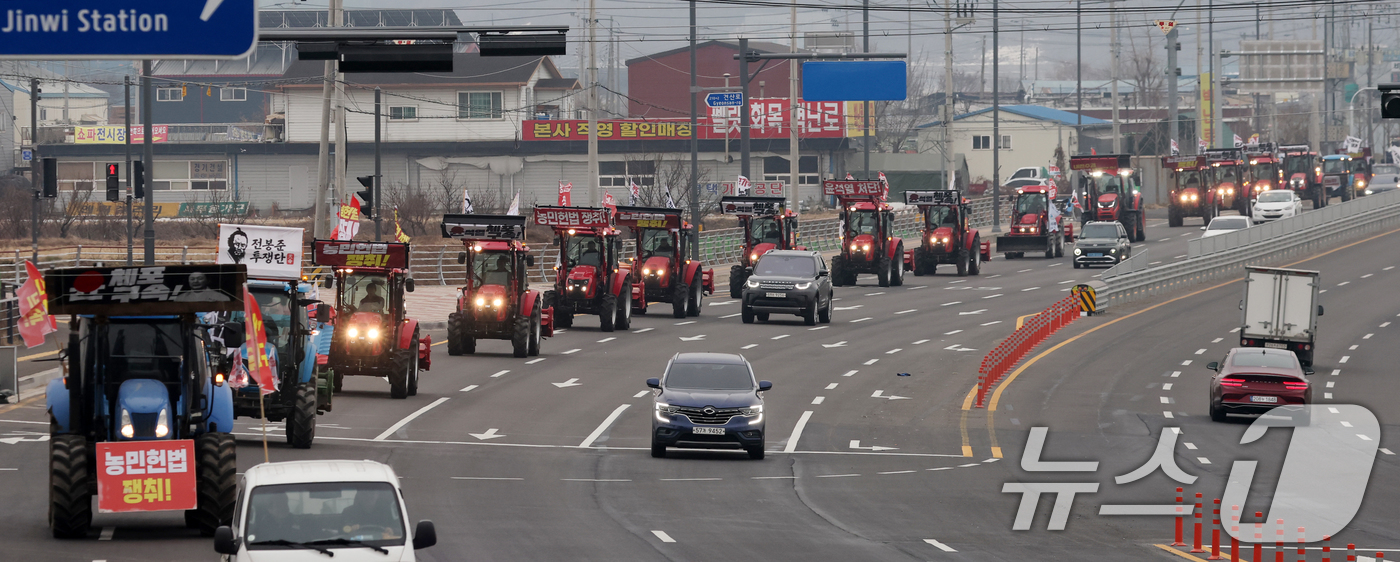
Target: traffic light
(114,184)
(366,196)
(138,179)
(1390,101)
(51,177)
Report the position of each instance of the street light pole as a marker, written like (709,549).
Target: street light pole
(149,155)
(745,117)
(865,112)
(694,141)
(126,136)
(378,189)
(996,116)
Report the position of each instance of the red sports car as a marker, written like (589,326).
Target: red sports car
(1254,380)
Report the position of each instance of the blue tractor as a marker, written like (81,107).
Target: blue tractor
(302,392)
(141,383)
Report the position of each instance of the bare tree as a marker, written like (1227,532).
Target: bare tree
(894,121)
(1146,71)
(1293,122)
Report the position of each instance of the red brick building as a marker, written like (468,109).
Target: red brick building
(659,84)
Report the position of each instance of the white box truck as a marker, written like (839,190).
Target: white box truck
(1280,310)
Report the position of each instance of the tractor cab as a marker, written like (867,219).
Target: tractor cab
(767,224)
(868,243)
(661,270)
(1228,171)
(1191,195)
(496,302)
(1264,169)
(1113,190)
(947,236)
(587,279)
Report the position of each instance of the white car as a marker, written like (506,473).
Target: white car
(312,510)
(1222,225)
(1277,204)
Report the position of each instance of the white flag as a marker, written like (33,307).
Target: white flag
(634,196)
(952,181)
(1176,149)
(1238,141)
(514,205)
(1202,143)
(670,203)
(743,185)
(466,201)
(1352,144)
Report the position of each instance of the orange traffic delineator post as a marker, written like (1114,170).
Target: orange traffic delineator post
(1327,548)
(1234,533)
(1196,542)
(1177,541)
(1259,538)
(1351,552)
(1215,532)
(1278,542)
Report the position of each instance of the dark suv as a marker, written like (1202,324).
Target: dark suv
(708,401)
(1101,243)
(788,282)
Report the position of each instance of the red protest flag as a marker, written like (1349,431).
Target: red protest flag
(259,367)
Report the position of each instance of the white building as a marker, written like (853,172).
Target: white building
(1029,136)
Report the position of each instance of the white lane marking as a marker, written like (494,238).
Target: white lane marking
(860,320)
(1165,400)
(797,432)
(559,331)
(836,475)
(688,322)
(959,281)
(1176,374)
(1233,330)
(871,362)
(894,351)
(832,386)
(1191,446)
(978,311)
(1030,289)
(993,276)
(940,468)
(778,337)
(1166,386)
(641,394)
(1384,324)
(992,296)
(920,342)
(1387,268)
(107,533)
(644,330)
(1154,263)
(1065,282)
(595,480)
(1167,415)
(1343,283)
(499,373)
(1345,358)
(850,372)
(772,477)
(874,294)
(1367,275)
(1363,437)
(1055,265)
(750,346)
(663,536)
(1327,395)
(1336,372)
(1217,340)
(1186,362)
(818,400)
(852,307)
(1386,451)
(722,303)
(992,322)
(606,340)
(489,435)
(1201,351)
(951,333)
(817,328)
(726,316)
(907,311)
(409,418)
(898,472)
(598,432)
(1322,291)
(1346,424)
(691,479)
(1333,410)
(533,361)
(1367,336)
(567,383)
(570,352)
(692,338)
(1023,270)
(950,303)
(1353,347)
(1203,460)
(484,478)
(916,287)
(469,388)
(939,545)
(841,343)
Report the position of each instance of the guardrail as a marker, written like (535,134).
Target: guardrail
(1130,281)
(1290,225)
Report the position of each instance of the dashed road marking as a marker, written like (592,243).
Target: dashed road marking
(894,351)
(1166,386)
(1024,270)
(722,303)
(1333,410)
(1327,396)
(860,320)
(1384,324)
(1055,265)
(1343,283)
(817,328)
(641,394)
(1176,374)
(533,361)
(663,536)
(832,386)
(1363,437)
(939,545)
(500,373)
(950,303)
(1367,336)
(691,479)
(1353,347)
(570,352)
(1201,351)
(107,533)
(1367,275)
(750,346)
(952,332)
(1202,460)
(1167,415)
(780,336)
(836,475)
(1065,282)
(992,296)
(920,342)
(688,322)
(469,388)
(1386,451)
(1191,446)
(606,340)
(897,472)
(907,311)
(1186,362)
(992,322)
(1217,340)
(1346,424)
(726,316)
(874,294)
(644,330)
(1233,330)
(1345,358)
(818,400)
(916,287)
(871,362)
(850,372)
(1154,263)
(1165,400)
(1336,372)
(484,478)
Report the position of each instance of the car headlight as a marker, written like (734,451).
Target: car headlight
(373,333)
(1077,251)
(1113,250)
(127,430)
(353,332)
(481,301)
(1368,192)
(755,412)
(803,286)
(664,412)
(496,303)
(752,284)
(162,424)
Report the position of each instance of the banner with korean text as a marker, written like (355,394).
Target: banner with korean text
(146,476)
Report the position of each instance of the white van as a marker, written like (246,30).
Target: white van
(307,510)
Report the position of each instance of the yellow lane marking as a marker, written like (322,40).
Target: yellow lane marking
(1021,319)
(38,355)
(971,394)
(435,344)
(962,423)
(996,451)
(1180,553)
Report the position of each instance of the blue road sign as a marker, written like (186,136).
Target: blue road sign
(128,29)
(854,80)
(725,99)
(26,155)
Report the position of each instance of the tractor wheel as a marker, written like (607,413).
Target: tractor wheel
(301,424)
(624,311)
(398,382)
(1060,246)
(413,365)
(882,272)
(974,260)
(736,282)
(338,382)
(216,464)
(962,261)
(563,317)
(919,262)
(1050,246)
(838,271)
(607,313)
(897,268)
(454,333)
(824,315)
(1174,218)
(468,345)
(535,331)
(679,295)
(1347,194)
(70,490)
(746,313)
(520,336)
(697,297)
(1141,227)
(1319,200)
(809,316)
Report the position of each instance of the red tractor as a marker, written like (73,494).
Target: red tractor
(767,225)
(497,302)
(1037,225)
(1302,173)
(868,243)
(1264,171)
(1192,196)
(587,278)
(660,271)
(373,335)
(1114,191)
(946,237)
(1228,169)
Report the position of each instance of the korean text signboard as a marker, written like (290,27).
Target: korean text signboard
(146,476)
(164,289)
(572,217)
(936,197)
(484,226)
(853,188)
(270,252)
(757,188)
(647,217)
(116,134)
(361,254)
(770,119)
(760,206)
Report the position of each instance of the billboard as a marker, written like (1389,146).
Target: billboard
(1268,67)
(116,134)
(770,118)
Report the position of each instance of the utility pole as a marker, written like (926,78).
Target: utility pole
(1113,73)
(1370,83)
(1200,86)
(149,156)
(126,137)
(378,183)
(592,86)
(949,95)
(1173,129)
(996,116)
(694,141)
(865,26)
(745,114)
(794,157)
(1078,77)
(34,165)
(321,229)
(1214,140)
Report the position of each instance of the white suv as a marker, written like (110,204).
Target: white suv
(307,510)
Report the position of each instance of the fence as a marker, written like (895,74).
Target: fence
(1011,350)
(1260,245)
(437,263)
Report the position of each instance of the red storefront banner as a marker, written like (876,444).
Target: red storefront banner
(146,476)
(769,117)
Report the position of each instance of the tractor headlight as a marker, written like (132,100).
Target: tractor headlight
(481,301)
(1360,183)
(753,256)
(496,303)
(1185,197)
(373,333)
(354,332)
(854,247)
(127,430)
(162,423)
(646,271)
(867,247)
